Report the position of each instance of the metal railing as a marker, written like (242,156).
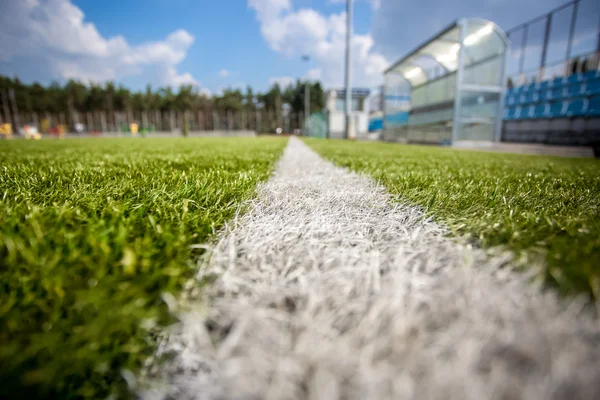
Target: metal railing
(525,47)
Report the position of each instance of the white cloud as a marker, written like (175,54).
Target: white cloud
(174,79)
(268,10)
(305,31)
(56,32)
(282,81)
(375,4)
(313,74)
(223,73)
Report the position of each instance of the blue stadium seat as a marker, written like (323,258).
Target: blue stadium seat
(577,77)
(510,112)
(558,92)
(543,86)
(510,99)
(517,112)
(519,90)
(592,87)
(531,97)
(546,94)
(556,82)
(526,112)
(591,75)
(594,107)
(575,89)
(577,107)
(557,109)
(510,91)
(530,87)
(541,110)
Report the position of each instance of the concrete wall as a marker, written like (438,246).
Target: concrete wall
(337,124)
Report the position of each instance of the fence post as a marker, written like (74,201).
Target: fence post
(258,122)
(117,119)
(286,123)
(89,122)
(145,120)
(270,123)
(15,110)
(61,118)
(7,115)
(572,30)
(48,120)
(102,121)
(545,48)
(522,52)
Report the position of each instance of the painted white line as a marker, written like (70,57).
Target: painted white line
(325,289)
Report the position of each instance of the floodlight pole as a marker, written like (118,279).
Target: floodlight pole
(306,99)
(348,57)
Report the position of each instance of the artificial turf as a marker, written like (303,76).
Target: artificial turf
(93,233)
(539,207)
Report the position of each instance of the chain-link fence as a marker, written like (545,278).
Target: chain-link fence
(97,122)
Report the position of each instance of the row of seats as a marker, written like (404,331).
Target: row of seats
(560,81)
(559,93)
(576,107)
(576,85)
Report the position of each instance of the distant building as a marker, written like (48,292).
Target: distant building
(376,103)
(335,103)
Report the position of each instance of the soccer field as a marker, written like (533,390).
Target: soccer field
(93,233)
(97,240)
(544,208)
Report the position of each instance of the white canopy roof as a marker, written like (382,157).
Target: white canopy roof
(441,52)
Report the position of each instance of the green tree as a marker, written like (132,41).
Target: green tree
(76,96)
(230,100)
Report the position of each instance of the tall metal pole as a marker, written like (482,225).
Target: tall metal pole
(7,116)
(306,99)
(541,73)
(348,58)
(572,30)
(305,131)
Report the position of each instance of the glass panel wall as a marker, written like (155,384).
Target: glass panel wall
(481,87)
(435,91)
(478,115)
(451,104)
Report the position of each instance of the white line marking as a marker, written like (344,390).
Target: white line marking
(325,289)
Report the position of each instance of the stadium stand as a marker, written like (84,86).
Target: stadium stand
(562,110)
(472,84)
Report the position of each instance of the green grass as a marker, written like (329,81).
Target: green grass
(92,232)
(536,206)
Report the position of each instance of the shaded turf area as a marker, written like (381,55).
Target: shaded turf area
(536,206)
(95,235)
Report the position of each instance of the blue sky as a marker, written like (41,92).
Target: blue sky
(227,36)
(229,43)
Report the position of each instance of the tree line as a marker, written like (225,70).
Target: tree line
(74,96)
